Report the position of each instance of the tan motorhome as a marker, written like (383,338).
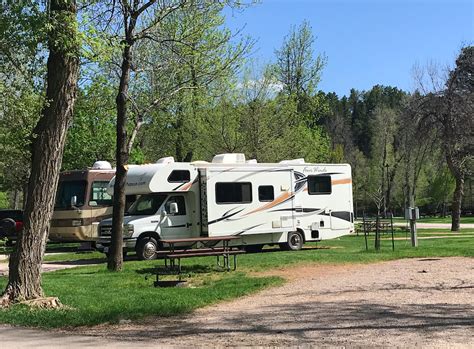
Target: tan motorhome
(81,203)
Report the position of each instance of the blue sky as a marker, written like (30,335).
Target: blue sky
(366,42)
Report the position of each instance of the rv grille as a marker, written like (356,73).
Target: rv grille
(105,230)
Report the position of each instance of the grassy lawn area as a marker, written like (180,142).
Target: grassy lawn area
(95,295)
(446,220)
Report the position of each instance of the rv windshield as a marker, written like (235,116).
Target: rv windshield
(147,205)
(68,189)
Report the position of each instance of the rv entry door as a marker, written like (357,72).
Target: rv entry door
(176,225)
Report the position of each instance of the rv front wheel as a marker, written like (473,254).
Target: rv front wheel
(147,248)
(295,241)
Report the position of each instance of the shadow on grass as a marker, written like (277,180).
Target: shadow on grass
(185,269)
(304,249)
(78,262)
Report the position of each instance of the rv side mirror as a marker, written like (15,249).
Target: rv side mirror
(173,208)
(74,200)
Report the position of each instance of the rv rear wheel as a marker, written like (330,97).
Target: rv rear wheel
(295,241)
(146,248)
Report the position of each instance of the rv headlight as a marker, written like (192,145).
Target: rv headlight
(127,230)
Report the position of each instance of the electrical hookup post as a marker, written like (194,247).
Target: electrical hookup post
(412,214)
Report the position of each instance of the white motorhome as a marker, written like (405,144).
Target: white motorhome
(287,203)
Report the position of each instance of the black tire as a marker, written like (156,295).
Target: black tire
(7,226)
(295,242)
(146,248)
(253,248)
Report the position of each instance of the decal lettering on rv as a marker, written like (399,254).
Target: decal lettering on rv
(135,184)
(315,169)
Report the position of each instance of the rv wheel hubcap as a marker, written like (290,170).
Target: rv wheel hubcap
(295,240)
(149,250)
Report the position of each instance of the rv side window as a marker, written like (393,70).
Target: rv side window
(233,193)
(318,185)
(181,205)
(179,176)
(265,193)
(99,195)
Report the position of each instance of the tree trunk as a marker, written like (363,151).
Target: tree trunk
(456,207)
(115,260)
(180,134)
(390,181)
(24,281)
(458,174)
(16,199)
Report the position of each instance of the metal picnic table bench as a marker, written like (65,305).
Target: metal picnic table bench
(377,226)
(370,226)
(209,246)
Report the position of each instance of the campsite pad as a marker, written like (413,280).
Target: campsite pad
(411,302)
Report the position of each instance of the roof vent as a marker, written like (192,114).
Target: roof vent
(167,160)
(251,161)
(102,165)
(293,162)
(230,158)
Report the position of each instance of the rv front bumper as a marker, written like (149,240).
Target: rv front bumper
(128,243)
(77,233)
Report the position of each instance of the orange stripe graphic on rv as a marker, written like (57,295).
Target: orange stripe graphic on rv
(341,181)
(186,186)
(278,200)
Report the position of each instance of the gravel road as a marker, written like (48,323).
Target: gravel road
(404,303)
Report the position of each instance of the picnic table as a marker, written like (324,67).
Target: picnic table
(371,226)
(377,226)
(173,252)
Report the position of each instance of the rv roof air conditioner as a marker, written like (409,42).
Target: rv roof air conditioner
(293,162)
(251,161)
(102,165)
(230,158)
(167,160)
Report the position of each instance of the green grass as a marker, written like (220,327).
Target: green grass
(446,220)
(95,295)
(351,249)
(74,256)
(51,247)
